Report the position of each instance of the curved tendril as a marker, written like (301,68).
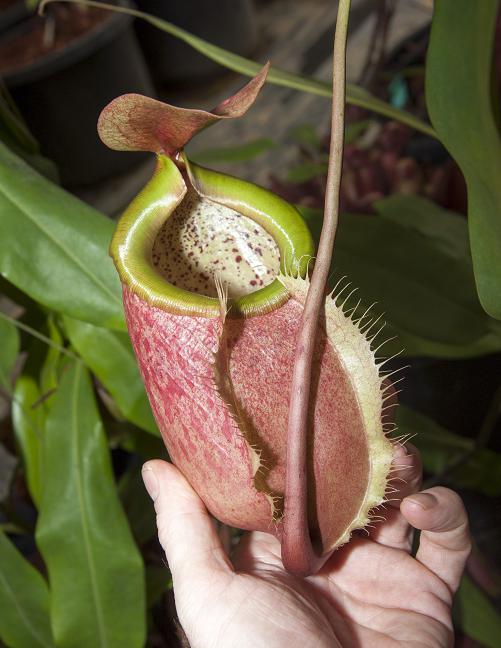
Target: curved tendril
(298,554)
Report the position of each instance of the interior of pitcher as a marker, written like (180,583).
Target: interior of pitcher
(203,241)
(186,232)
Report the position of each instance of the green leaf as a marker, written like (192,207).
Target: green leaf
(9,349)
(307,171)
(28,419)
(458,91)
(55,248)
(15,134)
(440,448)
(24,601)
(138,506)
(447,229)
(147,446)
(475,614)
(50,370)
(427,295)
(354,131)
(242,153)
(110,356)
(306,135)
(94,567)
(158,581)
(354,94)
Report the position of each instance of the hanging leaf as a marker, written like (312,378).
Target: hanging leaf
(94,567)
(476,616)
(354,94)
(28,419)
(24,601)
(462,110)
(54,247)
(9,349)
(110,356)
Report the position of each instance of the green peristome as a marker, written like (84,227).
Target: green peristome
(132,244)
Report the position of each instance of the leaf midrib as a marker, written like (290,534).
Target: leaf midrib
(20,610)
(61,246)
(82,507)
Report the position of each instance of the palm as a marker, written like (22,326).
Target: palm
(367,594)
(371,592)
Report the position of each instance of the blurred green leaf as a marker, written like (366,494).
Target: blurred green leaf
(9,349)
(307,171)
(428,296)
(440,449)
(11,122)
(146,445)
(54,247)
(458,92)
(110,356)
(354,94)
(306,135)
(447,229)
(475,614)
(241,153)
(50,370)
(137,505)
(24,601)
(438,446)
(94,567)
(28,419)
(158,580)
(15,134)
(354,130)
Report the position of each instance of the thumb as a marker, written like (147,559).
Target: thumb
(185,530)
(445,542)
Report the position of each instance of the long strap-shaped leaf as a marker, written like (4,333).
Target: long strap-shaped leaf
(54,247)
(24,601)
(354,94)
(9,348)
(28,423)
(109,355)
(476,615)
(94,567)
(458,94)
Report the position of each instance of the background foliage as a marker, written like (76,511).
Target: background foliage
(82,569)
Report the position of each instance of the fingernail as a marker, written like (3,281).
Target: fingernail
(150,482)
(426,501)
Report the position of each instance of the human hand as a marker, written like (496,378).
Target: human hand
(371,592)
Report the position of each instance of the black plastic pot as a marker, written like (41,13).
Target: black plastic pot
(61,95)
(228,23)
(13,14)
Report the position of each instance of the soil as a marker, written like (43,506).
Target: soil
(7,4)
(60,26)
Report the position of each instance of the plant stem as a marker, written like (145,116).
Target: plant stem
(298,554)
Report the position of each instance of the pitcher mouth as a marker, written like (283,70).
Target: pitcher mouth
(190,225)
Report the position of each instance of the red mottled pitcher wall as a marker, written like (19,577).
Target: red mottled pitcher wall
(176,359)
